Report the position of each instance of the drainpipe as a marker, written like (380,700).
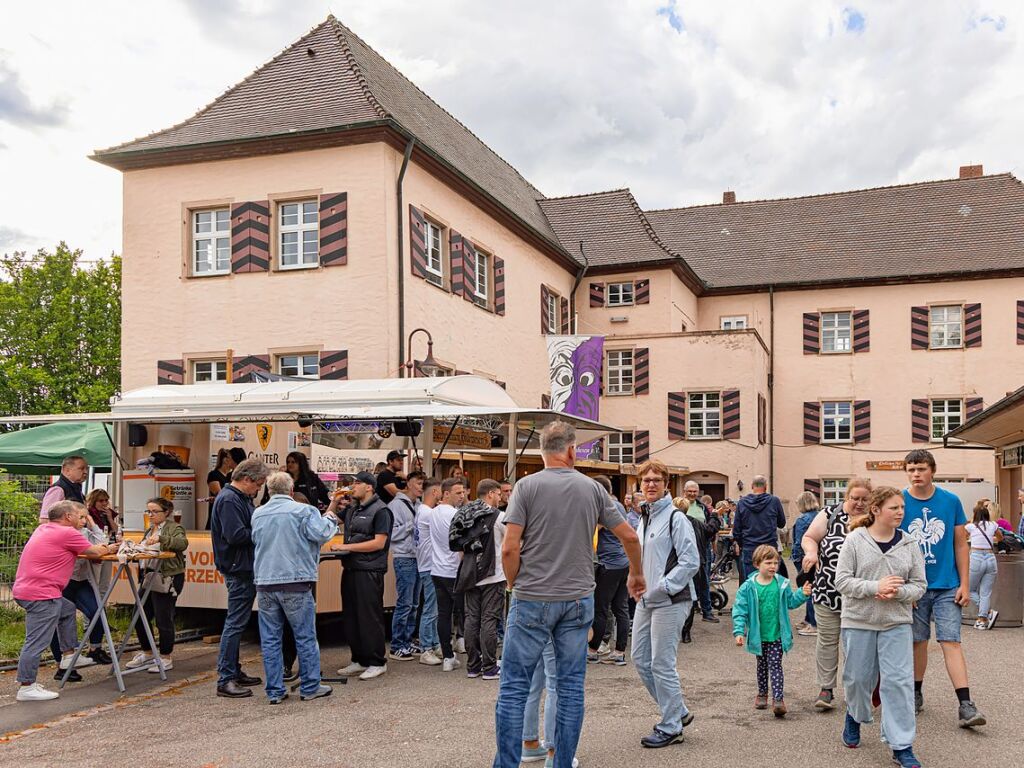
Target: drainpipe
(771,388)
(575,285)
(401,259)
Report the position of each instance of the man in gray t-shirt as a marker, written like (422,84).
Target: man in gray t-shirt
(548,556)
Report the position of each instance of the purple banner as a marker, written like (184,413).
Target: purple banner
(575,365)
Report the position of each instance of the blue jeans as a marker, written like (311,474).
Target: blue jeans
(81,594)
(938,604)
(428,619)
(543,678)
(241,593)
(885,659)
(403,621)
(532,625)
(299,610)
(656,633)
(983,580)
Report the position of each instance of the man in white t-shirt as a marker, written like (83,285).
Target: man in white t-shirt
(444,566)
(430,650)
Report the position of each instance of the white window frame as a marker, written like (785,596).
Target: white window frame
(945,324)
(301,228)
(433,245)
(302,362)
(833,491)
(620,294)
(621,370)
(836,333)
(619,447)
(481,275)
(733,323)
(832,414)
(219,237)
(703,415)
(948,412)
(214,374)
(552,313)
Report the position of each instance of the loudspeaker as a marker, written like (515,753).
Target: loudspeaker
(137,435)
(305,423)
(407,428)
(497,441)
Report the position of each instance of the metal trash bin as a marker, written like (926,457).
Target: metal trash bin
(1008,593)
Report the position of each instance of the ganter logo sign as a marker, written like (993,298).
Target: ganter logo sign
(927,531)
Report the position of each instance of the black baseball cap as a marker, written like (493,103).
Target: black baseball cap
(365,477)
(392,455)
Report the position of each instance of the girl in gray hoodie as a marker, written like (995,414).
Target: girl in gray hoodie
(880,575)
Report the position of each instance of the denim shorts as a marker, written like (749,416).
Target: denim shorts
(938,605)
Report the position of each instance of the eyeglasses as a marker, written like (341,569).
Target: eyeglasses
(652,481)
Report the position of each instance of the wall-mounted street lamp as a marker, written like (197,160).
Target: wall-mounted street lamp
(429,366)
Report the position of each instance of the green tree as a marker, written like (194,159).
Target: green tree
(60,332)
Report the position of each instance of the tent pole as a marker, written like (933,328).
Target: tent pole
(117,468)
(513,435)
(428,446)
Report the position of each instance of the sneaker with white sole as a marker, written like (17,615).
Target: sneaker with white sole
(533,754)
(450,665)
(808,631)
(372,672)
(351,670)
(402,654)
(460,645)
(167,665)
(83,661)
(549,762)
(139,660)
(992,616)
(430,658)
(604,649)
(35,692)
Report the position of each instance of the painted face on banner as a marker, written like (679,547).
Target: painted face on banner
(560,362)
(586,360)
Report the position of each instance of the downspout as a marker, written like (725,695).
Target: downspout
(401,259)
(575,286)
(771,388)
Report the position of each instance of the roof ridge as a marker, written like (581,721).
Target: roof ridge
(218,98)
(346,50)
(831,194)
(586,194)
(348,31)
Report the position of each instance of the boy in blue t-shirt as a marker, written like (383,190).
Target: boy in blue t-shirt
(935,518)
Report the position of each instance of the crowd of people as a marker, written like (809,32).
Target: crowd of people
(532,584)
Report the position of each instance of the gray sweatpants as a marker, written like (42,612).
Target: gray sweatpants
(42,617)
(826,648)
(885,658)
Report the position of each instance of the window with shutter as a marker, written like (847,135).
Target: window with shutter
(704,415)
(946,415)
(619,372)
(298,234)
(209,371)
(211,242)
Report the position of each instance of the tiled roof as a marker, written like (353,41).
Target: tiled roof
(330,78)
(956,226)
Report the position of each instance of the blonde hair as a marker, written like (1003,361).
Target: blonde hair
(764,552)
(878,497)
(680,503)
(806,502)
(857,482)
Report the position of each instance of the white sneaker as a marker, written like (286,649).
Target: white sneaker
(430,658)
(603,649)
(460,645)
(992,616)
(168,664)
(83,661)
(372,672)
(140,659)
(451,664)
(35,692)
(351,670)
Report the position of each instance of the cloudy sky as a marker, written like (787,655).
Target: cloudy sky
(677,100)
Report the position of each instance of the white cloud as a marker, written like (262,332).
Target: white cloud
(678,101)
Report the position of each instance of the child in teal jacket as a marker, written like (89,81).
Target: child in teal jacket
(761,611)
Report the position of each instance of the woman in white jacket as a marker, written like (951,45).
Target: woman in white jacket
(880,575)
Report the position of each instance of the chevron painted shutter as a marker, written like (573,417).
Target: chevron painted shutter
(1020,322)
(468,271)
(861,330)
(334,229)
(813,485)
(676,415)
(812,333)
(862,421)
(457,259)
(243,365)
(597,295)
(250,237)
(972,325)
(641,446)
(919,327)
(812,422)
(731,414)
(920,429)
(563,315)
(544,295)
(334,364)
(499,286)
(417,242)
(975,405)
(642,292)
(641,371)
(170,371)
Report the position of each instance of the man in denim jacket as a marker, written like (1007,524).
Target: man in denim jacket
(288,536)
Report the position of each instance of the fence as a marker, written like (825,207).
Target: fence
(18,518)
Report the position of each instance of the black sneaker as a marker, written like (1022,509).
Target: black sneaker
(658,739)
(918,702)
(74,677)
(248,680)
(712,618)
(100,656)
(969,715)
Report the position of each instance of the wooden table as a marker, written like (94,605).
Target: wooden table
(101,616)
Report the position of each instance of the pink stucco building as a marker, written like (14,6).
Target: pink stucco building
(309,218)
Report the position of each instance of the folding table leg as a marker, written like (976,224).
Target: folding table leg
(101,616)
(146,627)
(135,617)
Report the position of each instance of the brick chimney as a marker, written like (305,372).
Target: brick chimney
(728,197)
(971,171)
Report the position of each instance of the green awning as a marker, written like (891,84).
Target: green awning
(40,450)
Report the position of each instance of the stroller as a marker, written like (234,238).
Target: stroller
(721,570)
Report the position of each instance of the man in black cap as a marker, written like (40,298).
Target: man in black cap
(391,479)
(364,562)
